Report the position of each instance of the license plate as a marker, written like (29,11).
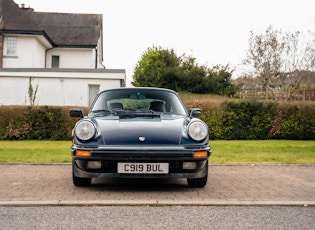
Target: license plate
(143,168)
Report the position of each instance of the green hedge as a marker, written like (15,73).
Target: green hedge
(232,120)
(296,123)
(35,123)
(252,120)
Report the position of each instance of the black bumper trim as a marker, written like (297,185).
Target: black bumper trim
(199,173)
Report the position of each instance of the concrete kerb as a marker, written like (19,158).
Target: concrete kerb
(154,203)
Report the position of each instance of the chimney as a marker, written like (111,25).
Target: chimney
(29,9)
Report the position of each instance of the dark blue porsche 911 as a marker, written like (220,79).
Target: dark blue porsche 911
(139,133)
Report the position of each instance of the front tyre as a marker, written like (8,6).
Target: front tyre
(198,182)
(81,182)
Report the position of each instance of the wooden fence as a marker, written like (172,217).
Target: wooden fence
(299,95)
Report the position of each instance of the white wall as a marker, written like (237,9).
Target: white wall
(68,91)
(13,91)
(60,89)
(30,53)
(72,58)
(66,86)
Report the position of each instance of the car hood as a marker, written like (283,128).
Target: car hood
(141,131)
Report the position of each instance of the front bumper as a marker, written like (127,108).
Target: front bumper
(109,157)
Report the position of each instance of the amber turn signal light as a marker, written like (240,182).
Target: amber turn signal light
(200,154)
(83,153)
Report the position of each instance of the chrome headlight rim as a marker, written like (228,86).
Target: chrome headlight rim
(197,130)
(85,130)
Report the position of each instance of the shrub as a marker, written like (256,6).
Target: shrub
(37,123)
(7,114)
(226,118)
(46,123)
(246,120)
(296,123)
(213,118)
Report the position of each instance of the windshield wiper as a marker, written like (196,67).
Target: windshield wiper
(102,111)
(120,111)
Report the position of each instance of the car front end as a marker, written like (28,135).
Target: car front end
(140,143)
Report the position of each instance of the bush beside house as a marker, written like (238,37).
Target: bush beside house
(36,123)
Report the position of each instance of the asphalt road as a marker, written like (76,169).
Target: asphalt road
(153,217)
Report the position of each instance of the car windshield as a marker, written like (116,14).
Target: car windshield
(137,101)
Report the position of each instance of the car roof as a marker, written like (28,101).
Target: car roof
(140,88)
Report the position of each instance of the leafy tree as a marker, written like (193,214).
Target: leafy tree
(219,81)
(192,76)
(163,68)
(157,68)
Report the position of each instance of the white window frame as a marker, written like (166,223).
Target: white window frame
(11,45)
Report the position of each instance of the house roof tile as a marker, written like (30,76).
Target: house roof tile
(63,29)
(71,29)
(15,19)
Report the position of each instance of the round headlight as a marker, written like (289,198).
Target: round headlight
(85,130)
(197,130)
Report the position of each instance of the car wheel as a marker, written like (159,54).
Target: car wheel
(81,182)
(198,182)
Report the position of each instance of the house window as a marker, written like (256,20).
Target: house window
(11,46)
(55,62)
(93,91)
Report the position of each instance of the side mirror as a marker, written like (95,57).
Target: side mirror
(76,113)
(195,112)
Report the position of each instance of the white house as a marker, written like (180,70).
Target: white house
(60,54)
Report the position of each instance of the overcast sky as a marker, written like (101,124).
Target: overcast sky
(212,31)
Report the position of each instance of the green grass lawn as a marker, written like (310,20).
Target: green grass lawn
(263,151)
(223,152)
(35,151)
